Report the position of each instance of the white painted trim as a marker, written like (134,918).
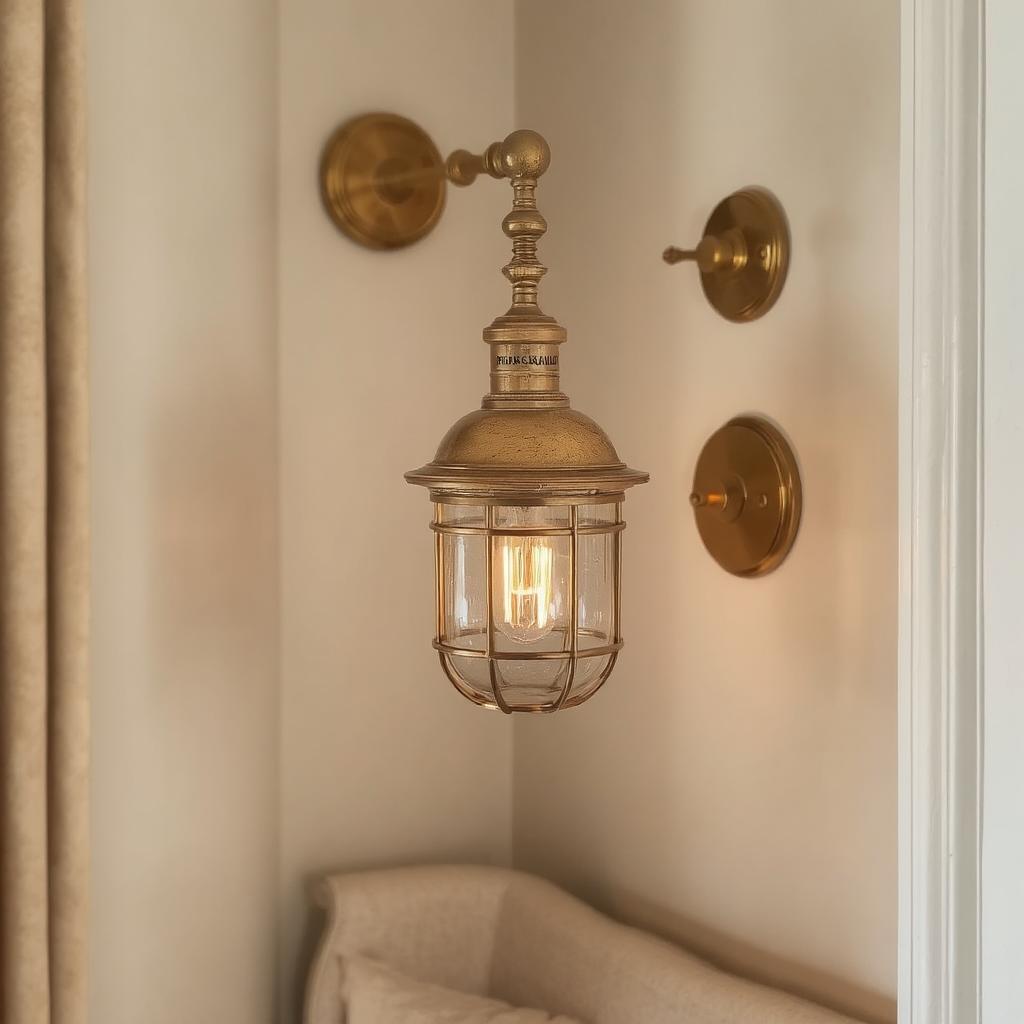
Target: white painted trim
(940,678)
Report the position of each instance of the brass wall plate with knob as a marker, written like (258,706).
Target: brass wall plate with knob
(743,256)
(747,497)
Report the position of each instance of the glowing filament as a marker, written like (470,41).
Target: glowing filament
(526,564)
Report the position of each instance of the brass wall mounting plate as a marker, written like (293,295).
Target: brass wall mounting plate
(743,256)
(383,181)
(747,497)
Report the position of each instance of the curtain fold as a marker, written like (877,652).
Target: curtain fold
(44,547)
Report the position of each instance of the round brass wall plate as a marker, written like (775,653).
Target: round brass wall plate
(755,218)
(747,497)
(382,181)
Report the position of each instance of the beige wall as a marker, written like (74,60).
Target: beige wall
(379,353)
(185,720)
(735,784)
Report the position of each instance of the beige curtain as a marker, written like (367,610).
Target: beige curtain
(43,516)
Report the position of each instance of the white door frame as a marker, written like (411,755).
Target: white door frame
(940,671)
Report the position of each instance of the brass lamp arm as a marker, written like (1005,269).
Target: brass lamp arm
(383,180)
(383,183)
(522,157)
(462,167)
(523,154)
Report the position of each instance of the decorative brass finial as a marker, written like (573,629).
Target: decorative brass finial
(383,181)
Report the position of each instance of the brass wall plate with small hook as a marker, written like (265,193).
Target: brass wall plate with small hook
(743,256)
(747,496)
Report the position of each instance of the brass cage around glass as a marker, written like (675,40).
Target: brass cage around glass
(528,600)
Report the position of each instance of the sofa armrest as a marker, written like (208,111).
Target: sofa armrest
(435,923)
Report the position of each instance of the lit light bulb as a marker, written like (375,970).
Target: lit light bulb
(524,589)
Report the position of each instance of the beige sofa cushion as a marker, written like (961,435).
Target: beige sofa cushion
(374,993)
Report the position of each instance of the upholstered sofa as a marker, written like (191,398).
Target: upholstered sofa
(501,933)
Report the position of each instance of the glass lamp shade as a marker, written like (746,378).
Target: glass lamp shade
(528,601)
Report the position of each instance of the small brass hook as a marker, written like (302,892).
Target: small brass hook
(743,255)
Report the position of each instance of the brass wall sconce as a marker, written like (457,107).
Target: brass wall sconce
(743,256)
(747,496)
(527,492)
